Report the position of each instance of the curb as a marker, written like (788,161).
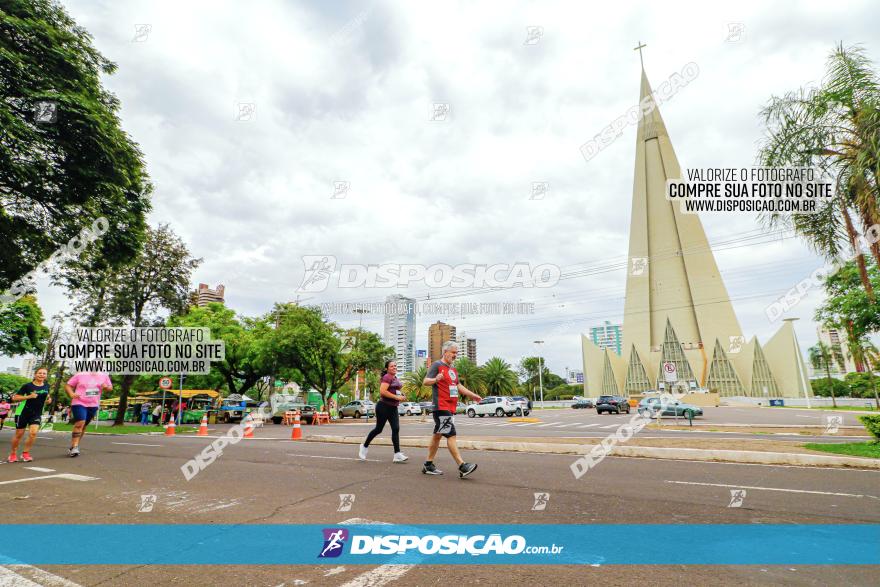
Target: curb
(688,454)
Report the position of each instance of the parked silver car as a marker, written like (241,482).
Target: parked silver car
(357,409)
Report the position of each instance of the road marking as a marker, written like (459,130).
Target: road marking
(135,444)
(773,489)
(69,476)
(380,575)
(548,424)
(8,577)
(609,426)
(526,424)
(588,425)
(328,457)
(41,469)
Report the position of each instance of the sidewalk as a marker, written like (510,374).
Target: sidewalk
(719,450)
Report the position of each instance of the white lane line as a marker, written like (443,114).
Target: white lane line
(336,458)
(773,489)
(380,575)
(9,578)
(526,424)
(609,426)
(69,476)
(135,444)
(40,469)
(588,425)
(800,416)
(45,578)
(545,425)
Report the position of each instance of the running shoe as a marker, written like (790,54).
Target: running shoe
(26,457)
(466,469)
(12,458)
(399,457)
(430,469)
(362,452)
(73,452)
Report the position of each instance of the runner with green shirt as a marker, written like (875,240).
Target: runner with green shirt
(32,397)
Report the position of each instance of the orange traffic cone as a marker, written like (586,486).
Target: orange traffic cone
(248,427)
(169,428)
(297,431)
(203,427)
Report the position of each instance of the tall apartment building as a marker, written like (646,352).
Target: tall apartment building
(438,333)
(400,330)
(421,358)
(837,339)
(29,365)
(205,295)
(467,347)
(608,336)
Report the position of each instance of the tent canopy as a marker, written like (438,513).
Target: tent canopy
(186,393)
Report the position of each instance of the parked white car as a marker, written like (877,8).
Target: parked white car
(494,406)
(409,409)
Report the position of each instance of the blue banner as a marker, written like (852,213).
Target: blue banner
(604,544)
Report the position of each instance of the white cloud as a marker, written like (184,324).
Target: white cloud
(343,92)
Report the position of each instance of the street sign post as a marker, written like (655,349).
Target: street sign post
(164,383)
(670,372)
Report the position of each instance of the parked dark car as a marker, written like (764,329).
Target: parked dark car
(673,407)
(613,404)
(583,403)
(306,412)
(521,399)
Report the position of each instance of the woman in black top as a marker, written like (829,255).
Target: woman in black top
(34,395)
(386,411)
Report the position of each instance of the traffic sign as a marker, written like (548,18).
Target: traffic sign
(670,372)
(165,383)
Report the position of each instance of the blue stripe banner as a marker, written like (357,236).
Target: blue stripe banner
(287,544)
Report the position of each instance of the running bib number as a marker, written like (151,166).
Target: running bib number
(92,392)
(453,391)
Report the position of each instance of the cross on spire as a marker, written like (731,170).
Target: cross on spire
(639,49)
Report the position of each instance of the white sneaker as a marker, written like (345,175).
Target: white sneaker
(362,452)
(399,457)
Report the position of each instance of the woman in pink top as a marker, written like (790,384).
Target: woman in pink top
(4,411)
(84,390)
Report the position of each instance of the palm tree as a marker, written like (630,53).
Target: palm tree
(866,353)
(470,374)
(824,357)
(498,378)
(836,129)
(412,384)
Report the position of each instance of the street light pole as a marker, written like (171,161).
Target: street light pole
(540,374)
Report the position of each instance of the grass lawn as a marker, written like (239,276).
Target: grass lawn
(831,408)
(125,429)
(853,449)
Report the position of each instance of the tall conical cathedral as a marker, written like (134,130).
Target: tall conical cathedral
(677,308)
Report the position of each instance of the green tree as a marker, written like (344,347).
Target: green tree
(413,387)
(21,327)
(865,353)
(834,128)
(470,374)
(498,377)
(10,383)
(836,388)
(247,341)
(847,304)
(825,358)
(155,281)
(58,173)
(320,355)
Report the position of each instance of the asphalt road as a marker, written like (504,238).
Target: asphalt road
(279,481)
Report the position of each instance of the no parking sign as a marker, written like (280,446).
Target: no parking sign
(670,372)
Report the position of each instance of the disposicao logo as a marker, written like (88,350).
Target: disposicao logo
(334,540)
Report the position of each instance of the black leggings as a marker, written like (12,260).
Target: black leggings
(386,413)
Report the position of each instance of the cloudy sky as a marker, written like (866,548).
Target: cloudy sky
(344,91)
